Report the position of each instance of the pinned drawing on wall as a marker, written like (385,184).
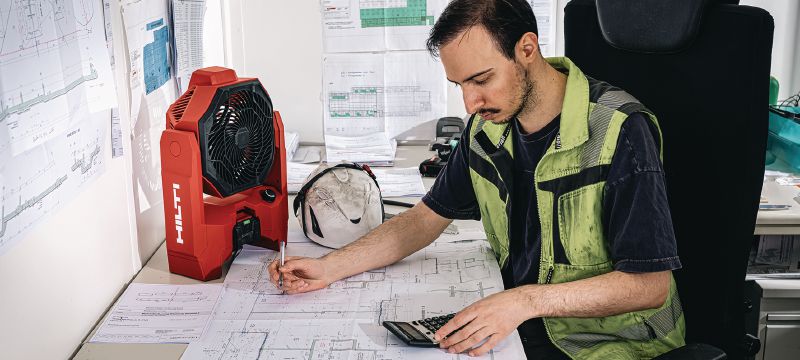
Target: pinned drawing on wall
(153,88)
(56,89)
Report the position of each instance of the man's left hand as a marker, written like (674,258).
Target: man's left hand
(492,318)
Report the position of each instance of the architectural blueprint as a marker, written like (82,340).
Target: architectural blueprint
(41,180)
(382,92)
(53,64)
(159,313)
(253,320)
(378,25)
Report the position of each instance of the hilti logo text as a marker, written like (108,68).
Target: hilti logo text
(178,217)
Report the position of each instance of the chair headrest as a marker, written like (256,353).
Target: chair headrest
(651,26)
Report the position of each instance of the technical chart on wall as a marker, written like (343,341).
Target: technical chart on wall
(378,25)
(545,12)
(38,182)
(253,320)
(53,64)
(152,89)
(382,92)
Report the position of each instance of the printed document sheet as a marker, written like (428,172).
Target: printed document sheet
(155,313)
(378,25)
(392,93)
(253,320)
(397,182)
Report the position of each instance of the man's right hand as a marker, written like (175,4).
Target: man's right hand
(300,274)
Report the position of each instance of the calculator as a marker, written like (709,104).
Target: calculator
(420,332)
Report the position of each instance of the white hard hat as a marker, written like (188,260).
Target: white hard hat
(338,204)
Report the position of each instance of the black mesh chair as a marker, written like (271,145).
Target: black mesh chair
(703,68)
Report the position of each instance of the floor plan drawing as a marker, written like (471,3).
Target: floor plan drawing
(253,320)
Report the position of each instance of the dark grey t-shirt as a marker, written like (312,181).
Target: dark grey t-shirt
(635,213)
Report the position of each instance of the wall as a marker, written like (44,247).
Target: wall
(785,51)
(58,281)
(280,42)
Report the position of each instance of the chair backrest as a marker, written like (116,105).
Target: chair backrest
(707,81)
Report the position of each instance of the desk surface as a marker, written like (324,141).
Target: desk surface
(156,271)
(780,222)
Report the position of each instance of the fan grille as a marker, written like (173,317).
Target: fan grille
(240,137)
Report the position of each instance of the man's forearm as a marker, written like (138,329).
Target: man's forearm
(395,239)
(604,295)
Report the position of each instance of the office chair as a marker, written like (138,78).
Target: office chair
(702,67)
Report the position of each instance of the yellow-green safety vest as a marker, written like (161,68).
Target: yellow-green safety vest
(569,183)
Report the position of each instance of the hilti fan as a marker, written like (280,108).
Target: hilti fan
(223,171)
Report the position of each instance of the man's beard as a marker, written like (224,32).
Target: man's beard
(526,99)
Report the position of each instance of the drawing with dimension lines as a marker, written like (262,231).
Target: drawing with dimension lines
(38,182)
(53,63)
(253,320)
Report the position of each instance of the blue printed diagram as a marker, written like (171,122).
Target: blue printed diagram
(156,63)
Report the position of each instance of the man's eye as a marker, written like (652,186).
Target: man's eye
(481,81)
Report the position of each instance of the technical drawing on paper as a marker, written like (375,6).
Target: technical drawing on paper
(254,320)
(377,25)
(377,101)
(159,313)
(53,62)
(385,13)
(391,92)
(39,181)
(156,63)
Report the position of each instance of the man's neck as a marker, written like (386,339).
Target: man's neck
(550,87)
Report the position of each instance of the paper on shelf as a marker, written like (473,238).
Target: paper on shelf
(374,149)
(400,182)
(307,154)
(296,175)
(291,141)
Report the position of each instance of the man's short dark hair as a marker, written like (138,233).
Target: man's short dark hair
(505,21)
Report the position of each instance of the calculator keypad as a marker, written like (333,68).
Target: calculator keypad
(432,324)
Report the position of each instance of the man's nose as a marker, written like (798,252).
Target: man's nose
(472,100)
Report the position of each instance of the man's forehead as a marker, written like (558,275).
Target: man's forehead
(470,37)
(470,52)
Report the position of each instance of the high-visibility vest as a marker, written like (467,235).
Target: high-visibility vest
(569,183)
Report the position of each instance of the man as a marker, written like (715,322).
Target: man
(565,173)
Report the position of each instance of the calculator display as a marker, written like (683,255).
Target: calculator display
(411,330)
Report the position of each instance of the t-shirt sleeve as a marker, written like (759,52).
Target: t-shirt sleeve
(635,208)
(452,196)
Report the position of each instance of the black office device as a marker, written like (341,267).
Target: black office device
(448,133)
(418,333)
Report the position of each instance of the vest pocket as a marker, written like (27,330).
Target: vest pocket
(580,225)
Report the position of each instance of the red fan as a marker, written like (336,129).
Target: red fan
(223,171)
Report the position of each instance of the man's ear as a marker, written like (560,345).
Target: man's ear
(527,47)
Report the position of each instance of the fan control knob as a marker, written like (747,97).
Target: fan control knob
(268,195)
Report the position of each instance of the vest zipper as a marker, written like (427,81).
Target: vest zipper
(549,275)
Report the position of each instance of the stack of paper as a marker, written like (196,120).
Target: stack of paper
(373,149)
(296,175)
(400,182)
(291,140)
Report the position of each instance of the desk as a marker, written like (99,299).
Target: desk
(776,315)
(156,271)
(781,222)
